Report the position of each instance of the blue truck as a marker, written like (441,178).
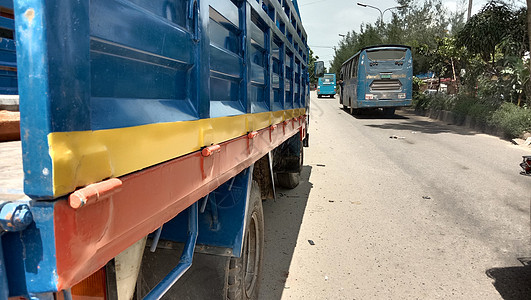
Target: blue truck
(146,127)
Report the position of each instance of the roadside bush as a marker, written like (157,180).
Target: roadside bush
(511,119)
(441,101)
(420,101)
(462,107)
(478,109)
(481,112)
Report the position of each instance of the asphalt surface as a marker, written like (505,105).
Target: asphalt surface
(400,207)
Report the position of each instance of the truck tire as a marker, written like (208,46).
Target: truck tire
(288,180)
(291,180)
(244,272)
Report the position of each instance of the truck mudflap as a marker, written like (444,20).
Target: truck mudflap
(70,241)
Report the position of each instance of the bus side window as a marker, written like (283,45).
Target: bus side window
(356,63)
(345,71)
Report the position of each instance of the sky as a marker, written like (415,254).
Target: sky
(324,20)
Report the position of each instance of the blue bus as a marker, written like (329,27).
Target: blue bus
(377,77)
(326,85)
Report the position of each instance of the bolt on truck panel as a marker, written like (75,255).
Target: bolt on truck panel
(132,111)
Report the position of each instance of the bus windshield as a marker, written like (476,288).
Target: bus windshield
(328,79)
(380,55)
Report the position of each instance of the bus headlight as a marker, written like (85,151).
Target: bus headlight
(369,96)
(402,96)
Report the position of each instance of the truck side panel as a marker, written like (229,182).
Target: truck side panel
(131,84)
(141,125)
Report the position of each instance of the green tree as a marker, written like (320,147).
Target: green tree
(486,30)
(346,48)
(416,23)
(446,58)
(311,67)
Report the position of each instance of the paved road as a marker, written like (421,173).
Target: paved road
(441,212)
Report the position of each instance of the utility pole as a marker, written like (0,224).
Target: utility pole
(470,9)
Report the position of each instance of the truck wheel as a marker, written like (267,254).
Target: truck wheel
(318,96)
(244,273)
(288,180)
(291,180)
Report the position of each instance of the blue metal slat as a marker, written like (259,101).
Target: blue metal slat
(6,3)
(7,23)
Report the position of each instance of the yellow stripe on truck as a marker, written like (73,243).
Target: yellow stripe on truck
(83,157)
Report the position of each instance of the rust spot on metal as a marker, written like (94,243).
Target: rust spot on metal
(30,15)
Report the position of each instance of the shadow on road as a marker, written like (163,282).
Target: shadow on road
(424,127)
(283,219)
(513,283)
(429,127)
(373,114)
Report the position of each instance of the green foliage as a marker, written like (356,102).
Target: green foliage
(438,101)
(354,42)
(446,58)
(516,39)
(311,67)
(419,98)
(487,29)
(485,56)
(416,23)
(420,101)
(481,112)
(441,101)
(478,109)
(512,119)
